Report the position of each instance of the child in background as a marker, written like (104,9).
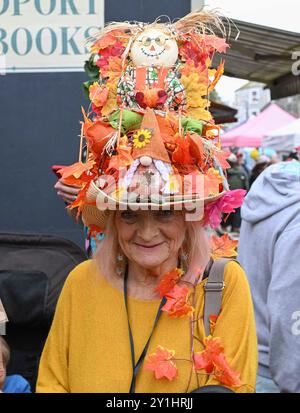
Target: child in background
(14,383)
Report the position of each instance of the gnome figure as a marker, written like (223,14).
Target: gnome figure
(151,172)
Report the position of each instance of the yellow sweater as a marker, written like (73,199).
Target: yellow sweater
(88,348)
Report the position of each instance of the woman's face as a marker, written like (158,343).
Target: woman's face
(150,238)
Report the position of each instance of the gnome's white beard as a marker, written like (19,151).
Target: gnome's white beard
(164,169)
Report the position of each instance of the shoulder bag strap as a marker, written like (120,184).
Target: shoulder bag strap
(213,289)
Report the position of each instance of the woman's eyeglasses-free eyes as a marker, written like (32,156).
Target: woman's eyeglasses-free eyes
(146,41)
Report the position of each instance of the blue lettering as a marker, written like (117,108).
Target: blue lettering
(39,41)
(39,7)
(66,41)
(17,6)
(87,34)
(5,4)
(28,42)
(92,7)
(3,44)
(71,5)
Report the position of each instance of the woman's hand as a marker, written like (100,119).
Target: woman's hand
(67,192)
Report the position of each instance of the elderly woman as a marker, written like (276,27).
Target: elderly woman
(142,316)
(88,348)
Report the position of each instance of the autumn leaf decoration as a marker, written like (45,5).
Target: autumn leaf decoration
(177,302)
(223,247)
(211,359)
(162,363)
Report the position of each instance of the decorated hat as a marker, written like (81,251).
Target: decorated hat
(150,138)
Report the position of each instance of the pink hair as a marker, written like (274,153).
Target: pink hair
(196,245)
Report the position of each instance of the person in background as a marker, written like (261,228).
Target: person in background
(14,383)
(237,179)
(269,251)
(261,164)
(292,156)
(242,163)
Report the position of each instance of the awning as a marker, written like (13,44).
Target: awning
(222,113)
(263,54)
(284,139)
(251,133)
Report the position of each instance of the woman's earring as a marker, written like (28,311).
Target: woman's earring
(184,256)
(120,263)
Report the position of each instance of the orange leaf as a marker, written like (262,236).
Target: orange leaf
(219,72)
(212,179)
(98,94)
(162,363)
(196,146)
(212,322)
(204,359)
(221,157)
(212,360)
(182,154)
(123,158)
(76,170)
(114,70)
(177,305)
(224,373)
(223,247)
(168,281)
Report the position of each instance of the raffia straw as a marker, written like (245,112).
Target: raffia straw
(81,141)
(179,122)
(120,124)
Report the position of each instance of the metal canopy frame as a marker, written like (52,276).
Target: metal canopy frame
(263,54)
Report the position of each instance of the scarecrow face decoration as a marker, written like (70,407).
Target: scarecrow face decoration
(153,47)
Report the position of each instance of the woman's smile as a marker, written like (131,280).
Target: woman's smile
(148,247)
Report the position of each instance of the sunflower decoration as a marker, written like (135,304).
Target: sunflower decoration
(141,138)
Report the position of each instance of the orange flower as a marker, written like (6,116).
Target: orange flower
(162,363)
(223,247)
(168,281)
(177,305)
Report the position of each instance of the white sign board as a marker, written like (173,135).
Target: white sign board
(47,35)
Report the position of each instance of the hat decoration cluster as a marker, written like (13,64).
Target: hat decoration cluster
(149,124)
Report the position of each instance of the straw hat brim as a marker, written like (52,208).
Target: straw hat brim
(93,216)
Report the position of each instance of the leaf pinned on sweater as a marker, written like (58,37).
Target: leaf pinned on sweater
(223,247)
(213,361)
(177,302)
(162,363)
(168,281)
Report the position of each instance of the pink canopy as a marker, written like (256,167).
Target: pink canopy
(251,133)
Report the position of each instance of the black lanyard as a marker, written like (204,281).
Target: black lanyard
(136,367)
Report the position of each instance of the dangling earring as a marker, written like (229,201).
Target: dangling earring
(121,262)
(183,257)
